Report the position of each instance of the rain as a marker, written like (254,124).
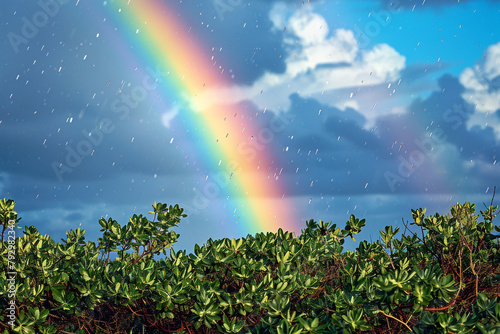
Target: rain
(273,110)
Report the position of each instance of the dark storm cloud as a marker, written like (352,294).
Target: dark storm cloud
(306,141)
(351,131)
(327,150)
(429,128)
(447,110)
(328,124)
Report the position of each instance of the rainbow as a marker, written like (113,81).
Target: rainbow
(251,181)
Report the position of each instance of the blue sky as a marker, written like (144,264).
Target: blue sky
(395,105)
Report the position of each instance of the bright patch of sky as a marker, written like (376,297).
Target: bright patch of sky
(427,34)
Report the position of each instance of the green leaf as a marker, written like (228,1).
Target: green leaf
(84,273)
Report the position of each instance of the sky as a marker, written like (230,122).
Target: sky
(252,115)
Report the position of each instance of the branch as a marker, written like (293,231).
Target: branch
(390,316)
(407,228)
(390,258)
(441,308)
(492,198)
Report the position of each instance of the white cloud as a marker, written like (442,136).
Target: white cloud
(319,63)
(483,89)
(310,27)
(167,117)
(278,15)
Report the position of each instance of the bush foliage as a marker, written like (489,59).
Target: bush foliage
(441,275)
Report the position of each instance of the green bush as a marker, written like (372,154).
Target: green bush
(443,279)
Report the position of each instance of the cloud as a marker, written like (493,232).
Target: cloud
(278,15)
(325,150)
(482,89)
(318,63)
(167,117)
(352,132)
(434,134)
(335,153)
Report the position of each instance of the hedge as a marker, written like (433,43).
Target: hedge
(440,275)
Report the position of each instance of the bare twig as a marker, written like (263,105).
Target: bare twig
(390,316)
(407,228)
(492,198)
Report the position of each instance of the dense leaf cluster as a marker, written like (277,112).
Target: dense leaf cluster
(442,278)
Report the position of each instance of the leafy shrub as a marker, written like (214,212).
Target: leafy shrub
(443,279)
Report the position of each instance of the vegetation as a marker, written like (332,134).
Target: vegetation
(440,276)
